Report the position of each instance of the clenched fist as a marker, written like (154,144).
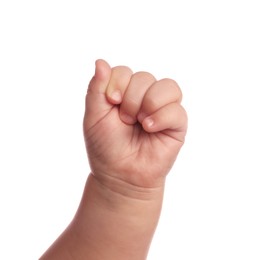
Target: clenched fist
(134,126)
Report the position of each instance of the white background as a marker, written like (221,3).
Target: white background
(211,48)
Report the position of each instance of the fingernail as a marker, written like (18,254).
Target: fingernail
(149,121)
(127,118)
(116,96)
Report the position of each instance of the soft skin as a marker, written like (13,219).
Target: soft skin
(134,127)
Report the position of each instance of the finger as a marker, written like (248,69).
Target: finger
(118,83)
(161,93)
(100,80)
(132,99)
(169,117)
(96,102)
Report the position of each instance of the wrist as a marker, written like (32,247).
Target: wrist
(123,199)
(115,220)
(109,216)
(121,188)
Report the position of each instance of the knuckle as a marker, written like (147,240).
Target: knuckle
(174,85)
(143,77)
(118,70)
(120,77)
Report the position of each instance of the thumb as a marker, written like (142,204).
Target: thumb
(100,80)
(96,102)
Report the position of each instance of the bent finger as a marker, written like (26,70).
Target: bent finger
(161,93)
(172,117)
(134,94)
(119,80)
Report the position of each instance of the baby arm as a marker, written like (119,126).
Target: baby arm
(134,127)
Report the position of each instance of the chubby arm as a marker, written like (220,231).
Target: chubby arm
(134,127)
(109,226)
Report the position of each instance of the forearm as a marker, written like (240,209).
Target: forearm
(113,221)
